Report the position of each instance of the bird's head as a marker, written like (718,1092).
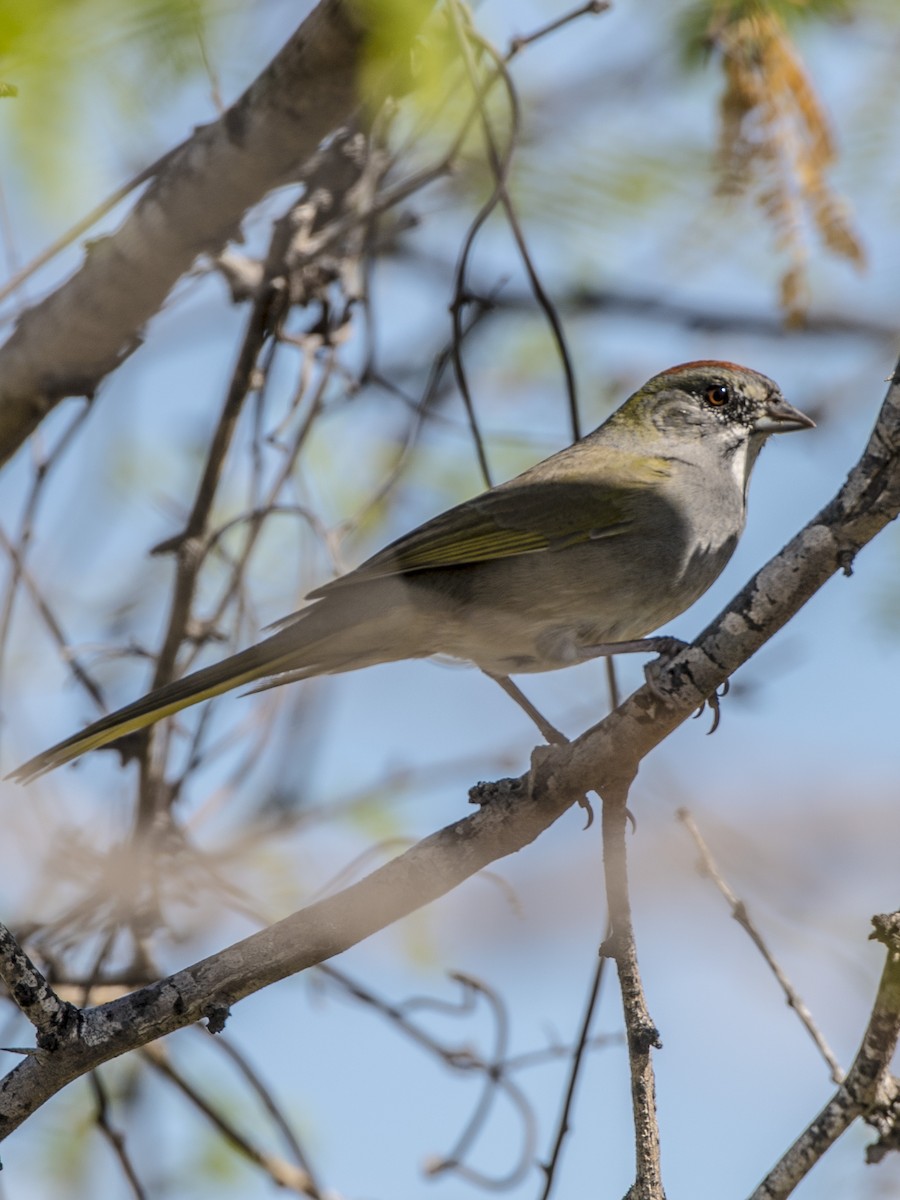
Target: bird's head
(700,410)
(713,399)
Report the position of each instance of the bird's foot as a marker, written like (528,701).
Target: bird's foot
(667,648)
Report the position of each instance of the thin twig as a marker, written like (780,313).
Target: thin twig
(578,1054)
(519,43)
(55,629)
(534,281)
(739,911)
(421,411)
(265,309)
(283,1174)
(642,1035)
(114,1136)
(499,164)
(493,1069)
(17,548)
(271,1106)
(868,1091)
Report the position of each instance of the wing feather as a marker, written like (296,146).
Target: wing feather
(514,519)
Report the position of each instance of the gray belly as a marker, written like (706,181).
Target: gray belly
(543,611)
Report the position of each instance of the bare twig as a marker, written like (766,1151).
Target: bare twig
(741,915)
(582,1045)
(17,548)
(494,1069)
(594,7)
(869,1091)
(642,1035)
(340,167)
(499,162)
(284,1174)
(538,290)
(55,629)
(495,1082)
(272,1108)
(115,1137)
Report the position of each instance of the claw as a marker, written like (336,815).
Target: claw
(715,707)
(584,803)
(668,648)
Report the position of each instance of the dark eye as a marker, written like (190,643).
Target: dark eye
(717,395)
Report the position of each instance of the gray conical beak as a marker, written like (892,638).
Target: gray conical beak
(781,417)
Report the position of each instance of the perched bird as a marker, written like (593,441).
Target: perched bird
(582,555)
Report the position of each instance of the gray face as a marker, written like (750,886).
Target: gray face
(711,402)
(715,398)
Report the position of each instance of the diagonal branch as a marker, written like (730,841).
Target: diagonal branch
(32,994)
(868,1091)
(514,812)
(68,343)
(707,866)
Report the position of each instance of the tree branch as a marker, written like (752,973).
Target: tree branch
(642,1035)
(32,994)
(514,812)
(868,1091)
(707,866)
(69,342)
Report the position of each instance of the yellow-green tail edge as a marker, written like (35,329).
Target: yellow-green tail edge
(163,702)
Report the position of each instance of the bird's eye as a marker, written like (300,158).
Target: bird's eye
(717,395)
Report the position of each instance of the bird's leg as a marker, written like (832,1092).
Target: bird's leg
(665,647)
(549,732)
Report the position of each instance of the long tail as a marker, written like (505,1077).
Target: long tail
(277,653)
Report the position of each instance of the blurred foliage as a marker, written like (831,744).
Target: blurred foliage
(702,19)
(447,88)
(775,144)
(393,23)
(55,53)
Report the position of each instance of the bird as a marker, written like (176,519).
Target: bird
(582,555)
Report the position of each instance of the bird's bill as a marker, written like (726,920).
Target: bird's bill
(781,417)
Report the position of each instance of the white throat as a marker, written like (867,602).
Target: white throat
(742,460)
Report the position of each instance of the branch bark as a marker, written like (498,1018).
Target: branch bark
(68,343)
(642,1035)
(514,812)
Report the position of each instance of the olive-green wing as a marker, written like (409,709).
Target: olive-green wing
(504,522)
